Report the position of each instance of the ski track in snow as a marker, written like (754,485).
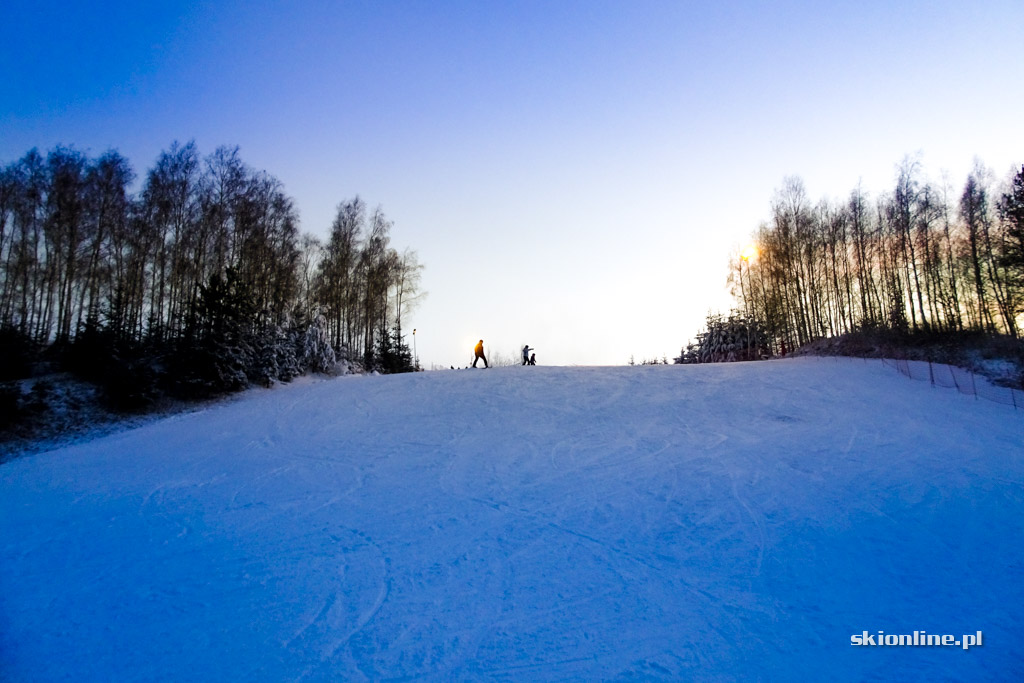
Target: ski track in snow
(714,522)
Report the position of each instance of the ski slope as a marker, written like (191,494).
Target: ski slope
(723,522)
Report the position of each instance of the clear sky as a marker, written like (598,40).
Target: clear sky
(573,174)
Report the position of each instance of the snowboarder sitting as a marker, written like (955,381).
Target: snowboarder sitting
(533,359)
(478,354)
(526,355)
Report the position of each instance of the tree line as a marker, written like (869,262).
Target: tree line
(919,258)
(203,264)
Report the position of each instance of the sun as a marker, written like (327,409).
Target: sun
(749,252)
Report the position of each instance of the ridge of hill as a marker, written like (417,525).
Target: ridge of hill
(999,358)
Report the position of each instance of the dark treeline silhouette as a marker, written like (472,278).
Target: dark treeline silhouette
(917,259)
(200,278)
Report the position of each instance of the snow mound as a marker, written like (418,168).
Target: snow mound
(718,522)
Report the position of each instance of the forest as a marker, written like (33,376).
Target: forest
(196,283)
(921,259)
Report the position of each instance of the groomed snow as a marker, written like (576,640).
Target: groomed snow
(725,522)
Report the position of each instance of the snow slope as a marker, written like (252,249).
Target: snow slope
(720,522)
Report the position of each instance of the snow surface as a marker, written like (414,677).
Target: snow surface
(718,522)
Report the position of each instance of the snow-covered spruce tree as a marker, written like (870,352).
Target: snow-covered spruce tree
(738,337)
(287,348)
(275,356)
(317,353)
(263,370)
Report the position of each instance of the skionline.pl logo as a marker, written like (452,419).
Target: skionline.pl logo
(917,638)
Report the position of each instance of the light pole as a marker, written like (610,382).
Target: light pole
(414,354)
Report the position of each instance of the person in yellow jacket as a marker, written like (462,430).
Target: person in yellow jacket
(478,353)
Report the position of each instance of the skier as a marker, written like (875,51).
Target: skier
(526,354)
(478,354)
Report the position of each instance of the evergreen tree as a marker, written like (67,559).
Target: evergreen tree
(218,347)
(317,353)
(393,354)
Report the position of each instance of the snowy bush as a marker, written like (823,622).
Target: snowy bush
(287,348)
(344,364)
(264,370)
(317,353)
(275,356)
(738,337)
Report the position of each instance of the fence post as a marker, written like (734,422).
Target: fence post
(931,373)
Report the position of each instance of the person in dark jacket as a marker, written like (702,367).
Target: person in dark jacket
(526,354)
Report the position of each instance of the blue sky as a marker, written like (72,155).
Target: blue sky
(573,175)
